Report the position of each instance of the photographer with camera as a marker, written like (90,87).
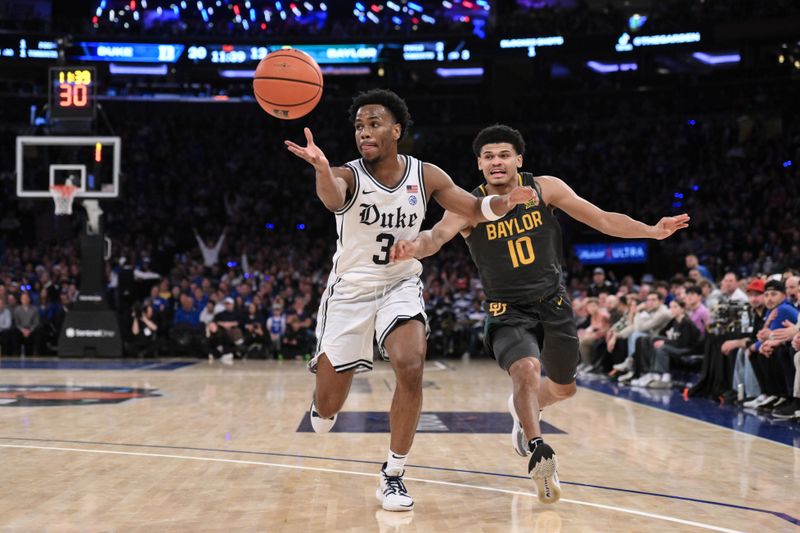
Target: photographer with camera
(142,340)
(730,320)
(728,292)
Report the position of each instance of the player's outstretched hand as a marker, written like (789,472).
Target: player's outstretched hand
(669,225)
(312,153)
(522,195)
(402,251)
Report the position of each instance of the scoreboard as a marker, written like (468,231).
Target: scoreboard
(72,93)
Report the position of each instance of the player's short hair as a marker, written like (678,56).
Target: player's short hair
(498,133)
(388,99)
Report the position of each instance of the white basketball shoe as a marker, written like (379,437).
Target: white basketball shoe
(392,492)
(318,423)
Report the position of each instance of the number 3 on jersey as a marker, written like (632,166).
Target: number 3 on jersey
(521,251)
(384,259)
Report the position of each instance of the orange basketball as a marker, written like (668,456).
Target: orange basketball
(288,84)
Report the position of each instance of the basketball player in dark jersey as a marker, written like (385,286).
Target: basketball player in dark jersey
(519,263)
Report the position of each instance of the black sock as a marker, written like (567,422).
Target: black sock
(533,443)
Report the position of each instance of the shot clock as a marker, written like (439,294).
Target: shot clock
(72,93)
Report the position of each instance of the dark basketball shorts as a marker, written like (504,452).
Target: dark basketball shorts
(543,329)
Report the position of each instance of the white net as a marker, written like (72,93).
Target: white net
(63,195)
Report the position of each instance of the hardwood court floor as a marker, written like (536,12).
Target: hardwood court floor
(219,450)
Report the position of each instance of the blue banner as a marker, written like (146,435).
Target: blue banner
(608,253)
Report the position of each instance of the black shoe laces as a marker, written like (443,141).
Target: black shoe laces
(394,484)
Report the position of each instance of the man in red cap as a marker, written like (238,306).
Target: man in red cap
(749,369)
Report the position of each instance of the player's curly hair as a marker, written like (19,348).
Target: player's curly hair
(498,133)
(388,99)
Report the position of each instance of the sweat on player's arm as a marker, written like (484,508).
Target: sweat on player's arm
(558,194)
(454,198)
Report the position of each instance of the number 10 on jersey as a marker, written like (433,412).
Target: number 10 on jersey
(521,251)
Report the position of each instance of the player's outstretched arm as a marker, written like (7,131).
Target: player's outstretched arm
(429,242)
(560,195)
(454,198)
(332,184)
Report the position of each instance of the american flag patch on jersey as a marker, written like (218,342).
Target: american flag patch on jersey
(412,189)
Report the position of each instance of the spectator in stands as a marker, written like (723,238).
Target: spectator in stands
(253,327)
(593,334)
(208,312)
(679,337)
(475,323)
(295,341)
(143,340)
(276,326)
(26,331)
(651,317)
(47,312)
(748,369)
(303,318)
(225,335)
(792,290)
(791,409)
(706,290)
(186,334)
(692,263)
(209,249)
(695,308)
(600,283)
(6,325)
(781,379)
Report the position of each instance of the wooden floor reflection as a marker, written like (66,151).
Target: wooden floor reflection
(219,450)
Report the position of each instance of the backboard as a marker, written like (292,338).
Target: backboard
(92,164)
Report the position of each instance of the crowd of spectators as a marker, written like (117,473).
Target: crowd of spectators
(221,248)
(340,19)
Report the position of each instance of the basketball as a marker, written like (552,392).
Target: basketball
(288,84)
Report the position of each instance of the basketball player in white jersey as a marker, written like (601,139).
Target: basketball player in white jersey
(379,199)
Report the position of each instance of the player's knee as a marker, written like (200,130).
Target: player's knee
(409,369)
(526,373)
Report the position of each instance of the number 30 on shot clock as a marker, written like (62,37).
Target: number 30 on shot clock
(72,93)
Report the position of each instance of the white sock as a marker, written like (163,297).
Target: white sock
(395,463)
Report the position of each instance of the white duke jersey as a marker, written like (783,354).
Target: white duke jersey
(373,219)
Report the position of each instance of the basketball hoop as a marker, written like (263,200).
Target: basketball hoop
(63,195)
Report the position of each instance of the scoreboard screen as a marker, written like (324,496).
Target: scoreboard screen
(72,93)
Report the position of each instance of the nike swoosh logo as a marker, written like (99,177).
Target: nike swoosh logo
(367,192)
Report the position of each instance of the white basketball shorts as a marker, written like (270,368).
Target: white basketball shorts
(352,316)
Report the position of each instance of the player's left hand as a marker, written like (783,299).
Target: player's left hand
(522,195)
(669,225)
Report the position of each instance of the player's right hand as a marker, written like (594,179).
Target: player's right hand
(312,153)
(402,251)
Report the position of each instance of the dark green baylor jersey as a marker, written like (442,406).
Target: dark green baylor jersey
(518,256)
